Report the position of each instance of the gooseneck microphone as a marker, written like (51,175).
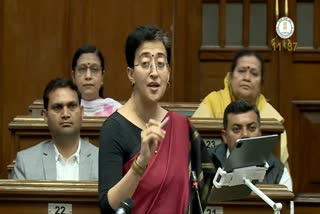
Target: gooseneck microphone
(195,184)
(125,206)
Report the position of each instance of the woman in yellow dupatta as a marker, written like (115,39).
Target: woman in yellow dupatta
(243,82)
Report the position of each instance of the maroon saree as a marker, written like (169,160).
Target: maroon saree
(164,187)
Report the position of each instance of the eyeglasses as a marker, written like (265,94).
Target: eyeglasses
(94,69)
(145,62)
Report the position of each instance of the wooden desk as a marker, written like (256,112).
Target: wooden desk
(28,130)
(253,204)
(307,203)
(33,197)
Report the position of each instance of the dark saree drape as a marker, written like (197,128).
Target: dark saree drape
(165,186)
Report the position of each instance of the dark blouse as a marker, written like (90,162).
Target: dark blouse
(119,142)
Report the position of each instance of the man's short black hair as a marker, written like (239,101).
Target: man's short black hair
(55,84)
(239,107)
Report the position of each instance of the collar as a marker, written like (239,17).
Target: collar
(75,156)
(228,153)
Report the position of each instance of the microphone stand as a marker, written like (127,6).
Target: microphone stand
(244,176)
(196,189)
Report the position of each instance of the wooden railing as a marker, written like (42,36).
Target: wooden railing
(38,196)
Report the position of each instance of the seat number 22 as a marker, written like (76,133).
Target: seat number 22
(56,208)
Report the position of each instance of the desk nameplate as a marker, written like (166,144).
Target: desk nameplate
(59,208)
(213,210)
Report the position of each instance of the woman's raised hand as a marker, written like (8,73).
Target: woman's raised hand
(150,138)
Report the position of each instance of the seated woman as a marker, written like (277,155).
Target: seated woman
(141,156)
(87,73)
(243,82)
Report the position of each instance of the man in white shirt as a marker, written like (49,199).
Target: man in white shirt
(66,156)
(242,120)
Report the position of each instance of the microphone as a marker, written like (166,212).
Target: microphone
(125,206)
(194,180)
(195,184)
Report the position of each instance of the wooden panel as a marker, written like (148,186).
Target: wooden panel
(299,81)
(193,42)
(107,24)
(27,131)
(271,20)
(212,76)
(292,14)
(2,158)
(302,73)
(302,208)
(34,35)
(208,53)
(246,23)
(306,140)
(34,196)
(39,39)
(180,41)
(306,56)
(233,1)
(307,203)
(111,22)
(80,18)
(222,23)
(316,24)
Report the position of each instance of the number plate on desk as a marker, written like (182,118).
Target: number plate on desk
(213,210)
(55,208)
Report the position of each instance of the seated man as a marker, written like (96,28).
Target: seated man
(242,120)
(66,156)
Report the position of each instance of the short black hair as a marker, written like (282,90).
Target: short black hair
(142,34)
(84,49)
(247,52)
(239,107)
(55,84)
